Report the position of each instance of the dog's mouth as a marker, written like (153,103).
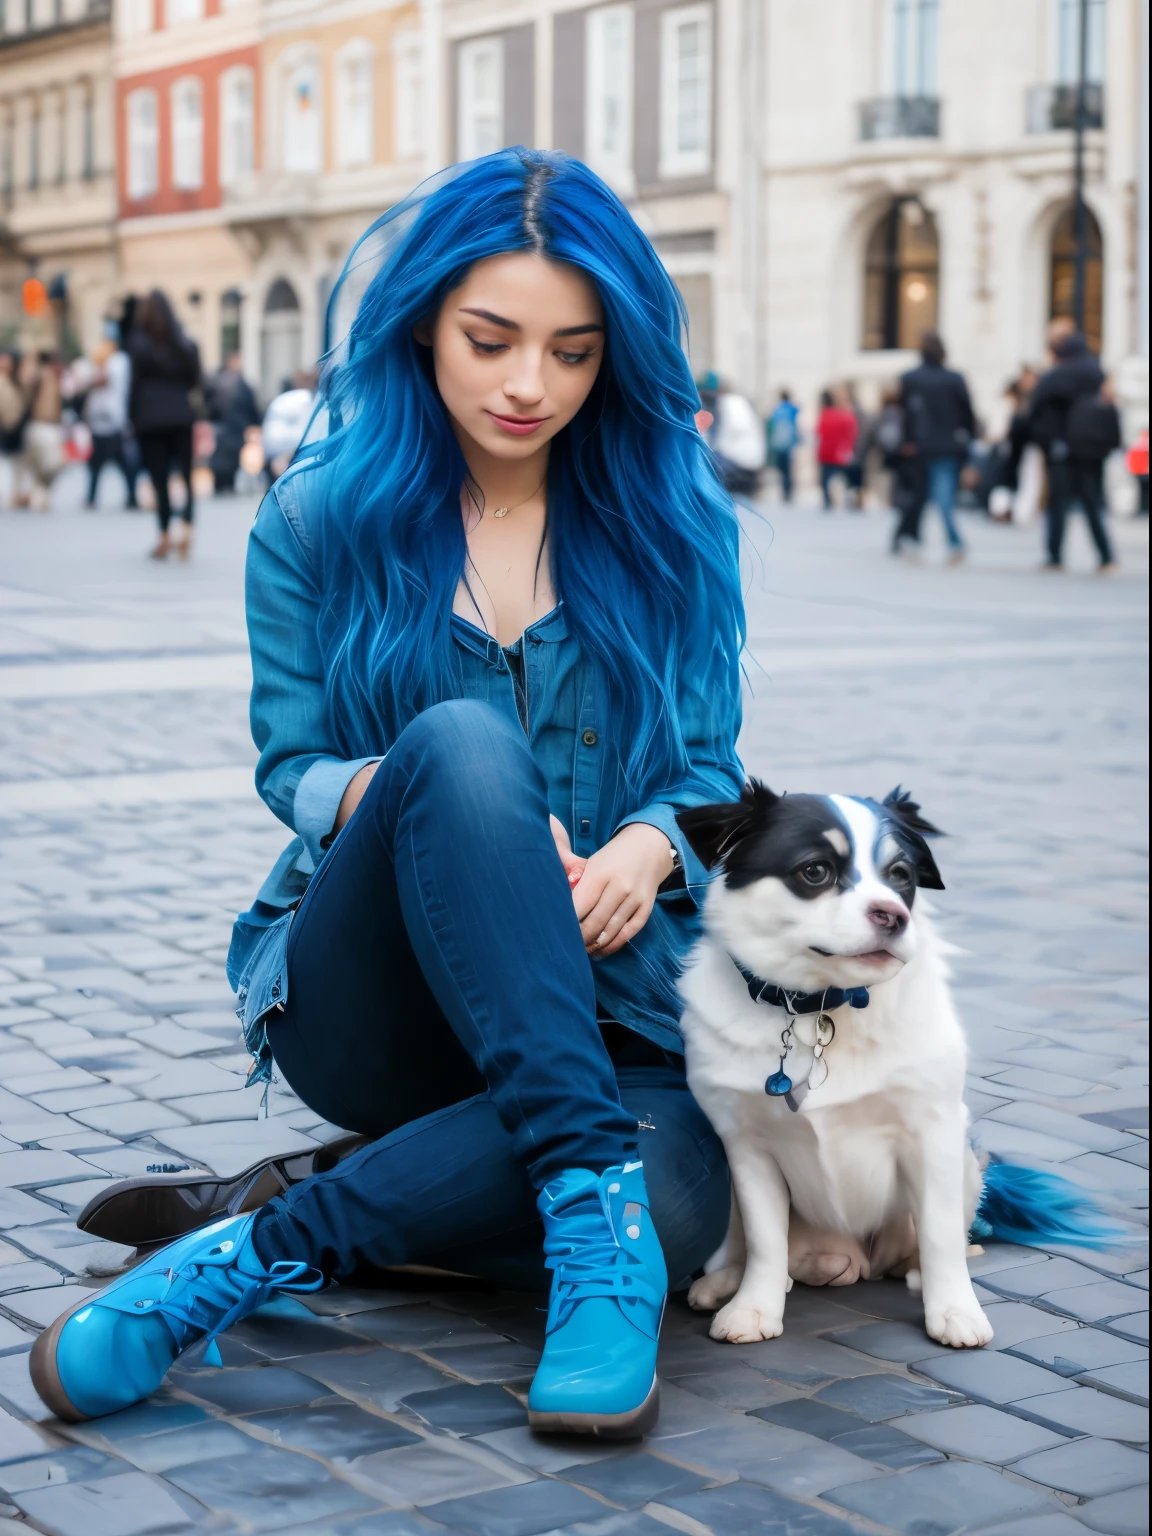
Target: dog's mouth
(875,957)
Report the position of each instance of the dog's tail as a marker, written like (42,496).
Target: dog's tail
(1040,1210)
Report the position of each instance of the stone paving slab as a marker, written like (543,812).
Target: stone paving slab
(1010,706)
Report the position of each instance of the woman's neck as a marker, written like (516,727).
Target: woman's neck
(504,482)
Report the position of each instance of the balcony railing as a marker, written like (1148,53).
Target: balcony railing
(900,117)
(1053,107)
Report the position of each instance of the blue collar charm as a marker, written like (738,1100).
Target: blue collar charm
(780,1085)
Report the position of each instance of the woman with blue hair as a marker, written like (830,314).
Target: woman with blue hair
(496,625)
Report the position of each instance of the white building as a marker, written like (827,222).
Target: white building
(917,166)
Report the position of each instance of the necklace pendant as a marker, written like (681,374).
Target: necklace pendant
(500,512)
(778,1085)
(819,1073)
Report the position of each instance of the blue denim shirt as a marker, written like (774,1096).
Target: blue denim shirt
(302,775)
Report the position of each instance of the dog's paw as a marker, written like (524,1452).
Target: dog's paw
(962,1327)
(712,1291)
(746,1325)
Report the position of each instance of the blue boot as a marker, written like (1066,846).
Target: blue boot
(598,1372)
(108,1353)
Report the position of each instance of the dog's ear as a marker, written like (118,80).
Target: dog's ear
(904,810)
(712,830)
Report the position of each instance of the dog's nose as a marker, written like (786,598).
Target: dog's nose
(891,917)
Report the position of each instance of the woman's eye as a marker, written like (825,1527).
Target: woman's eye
(816,874)
(487,348)
(573,358)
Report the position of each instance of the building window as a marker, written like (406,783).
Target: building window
(87,134)
(188,134)
(686,91)
(355,104)
(143,144)
(237,125)
(137,15)
(1067,28)
(608,97)
(303,130)
(901,278)
(7,168)
(1062,274)
(914,47)
(281,339)
(176,11)
(480,96)
(230,303)
(408,95)
(35,147)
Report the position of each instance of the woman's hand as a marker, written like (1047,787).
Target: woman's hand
(616,889)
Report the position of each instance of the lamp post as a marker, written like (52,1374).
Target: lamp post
(1079,211)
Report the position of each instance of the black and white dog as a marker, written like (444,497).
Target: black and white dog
(822,1042)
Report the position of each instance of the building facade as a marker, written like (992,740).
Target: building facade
(918,171)
(633,89)
(57,189)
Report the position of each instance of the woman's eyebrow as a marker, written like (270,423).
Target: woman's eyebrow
(486,314)
(578,330)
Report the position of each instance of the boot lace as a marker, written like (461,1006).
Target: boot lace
(207,1295)
(589,1262)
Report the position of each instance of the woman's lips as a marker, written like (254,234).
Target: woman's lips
(518,426)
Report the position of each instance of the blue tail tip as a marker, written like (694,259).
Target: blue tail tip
(1040,1210)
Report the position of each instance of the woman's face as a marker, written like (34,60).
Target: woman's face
(517,348)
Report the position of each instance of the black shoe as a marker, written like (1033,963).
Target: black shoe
(140,1213)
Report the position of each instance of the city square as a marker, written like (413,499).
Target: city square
(1008,701)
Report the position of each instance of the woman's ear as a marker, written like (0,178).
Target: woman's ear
(422,332)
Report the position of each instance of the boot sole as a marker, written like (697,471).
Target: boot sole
(158,1208)
(602,1426)
(45,1376)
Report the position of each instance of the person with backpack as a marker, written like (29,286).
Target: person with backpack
(1076,426)
(939,425)
(783,436)
(165,368)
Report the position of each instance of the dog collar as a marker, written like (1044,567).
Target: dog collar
(801,1002)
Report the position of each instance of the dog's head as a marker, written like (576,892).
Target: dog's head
(817,890)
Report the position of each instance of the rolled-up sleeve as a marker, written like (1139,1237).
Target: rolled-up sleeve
(302,773)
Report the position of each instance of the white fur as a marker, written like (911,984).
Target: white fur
(874,1169)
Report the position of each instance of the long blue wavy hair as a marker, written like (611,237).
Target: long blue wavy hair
(643,538)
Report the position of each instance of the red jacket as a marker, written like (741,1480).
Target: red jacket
(835,435)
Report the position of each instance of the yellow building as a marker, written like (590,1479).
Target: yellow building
(57,191)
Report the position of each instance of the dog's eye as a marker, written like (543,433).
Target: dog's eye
(900,873)
(816,874)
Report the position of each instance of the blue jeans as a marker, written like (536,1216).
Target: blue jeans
(943,481)
(440,1000)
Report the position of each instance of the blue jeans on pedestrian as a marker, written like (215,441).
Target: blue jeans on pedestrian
(943,482)
(440,1000)
(782,461)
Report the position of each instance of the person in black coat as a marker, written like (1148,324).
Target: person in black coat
(165,367)
(939,425)
(233,409)
(1064,402)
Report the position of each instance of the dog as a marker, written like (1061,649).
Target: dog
(821,1041)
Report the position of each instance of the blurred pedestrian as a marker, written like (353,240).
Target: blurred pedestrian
(783,438)
(1138,468)
(39,378)
(939,426)
(836,431)
(286,421)
(232,408)
(13,419)
(1014,474)
(165,368)
(1076,425)
(105,411)
(887,437)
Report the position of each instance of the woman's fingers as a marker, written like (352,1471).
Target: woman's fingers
(629,931)
(608,940)
(572,862)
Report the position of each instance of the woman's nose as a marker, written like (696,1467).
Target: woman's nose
(526,383)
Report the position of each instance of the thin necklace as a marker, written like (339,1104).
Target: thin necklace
(504,511)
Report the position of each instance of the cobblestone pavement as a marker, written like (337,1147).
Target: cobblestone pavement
(129,834)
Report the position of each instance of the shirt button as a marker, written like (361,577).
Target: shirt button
(585,826)
(589,738)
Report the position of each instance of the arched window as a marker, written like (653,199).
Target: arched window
(1062,274)
(281,338)
(237,125)
(188,134)
(303,141)
(143,144)
(901,277)
(355,103)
